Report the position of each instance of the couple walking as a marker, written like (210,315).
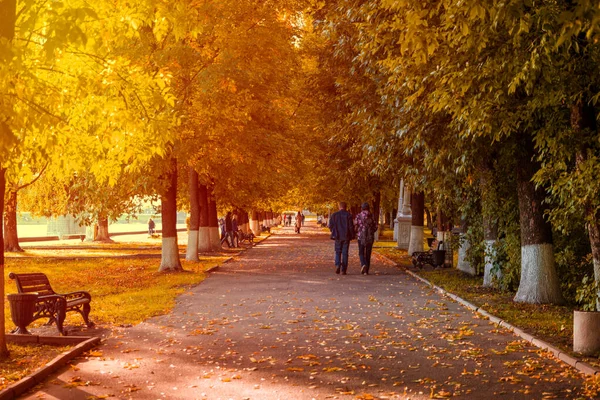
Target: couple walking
(343,230)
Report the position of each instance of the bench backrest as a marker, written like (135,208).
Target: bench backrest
(32,283)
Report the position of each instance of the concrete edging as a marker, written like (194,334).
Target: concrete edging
(38,376)
(581,366)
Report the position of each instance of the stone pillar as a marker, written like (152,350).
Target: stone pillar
(417,223)
(463,264)
(404,220)
(398,214)
(255,223)
(406,210)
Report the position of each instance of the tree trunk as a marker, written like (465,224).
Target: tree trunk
(3,348)
(444,234)
(204,244)
(490,229)
(11,239)
(463,264)
(254,223)
(539,280)
(192,245)
(7,30)
(103,235)
(594,235)
(170,250)
(417,233)
(376,208)
(213,221)
(429,219)
(376,204)
(583,116)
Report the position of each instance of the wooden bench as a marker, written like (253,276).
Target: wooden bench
(50,304)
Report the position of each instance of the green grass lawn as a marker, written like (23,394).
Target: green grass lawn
(125,290)
(553,324)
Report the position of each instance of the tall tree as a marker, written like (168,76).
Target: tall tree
(7,32)
(194,227)
(170,250)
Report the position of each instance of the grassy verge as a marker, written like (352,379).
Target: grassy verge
(553,324)
(125,290)
(23,360)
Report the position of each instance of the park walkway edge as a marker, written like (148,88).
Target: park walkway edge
(18,388)
(581,366)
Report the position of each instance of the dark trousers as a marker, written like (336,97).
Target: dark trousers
(228,237)
(341,254)
(364,252)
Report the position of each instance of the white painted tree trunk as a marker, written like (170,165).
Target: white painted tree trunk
(539,281)
(204,243)
(255,227)
(170,255)
(215,238)
(191,253)
(417,235)
(490,255)
(463,264)
(89,233)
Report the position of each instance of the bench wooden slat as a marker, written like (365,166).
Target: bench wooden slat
(33,279)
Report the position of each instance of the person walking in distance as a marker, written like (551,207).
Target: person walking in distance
(342,231)
(298,221)
(228,238)
(151,226)
(366,226)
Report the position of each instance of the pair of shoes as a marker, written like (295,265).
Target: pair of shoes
(337,270)
(363,270)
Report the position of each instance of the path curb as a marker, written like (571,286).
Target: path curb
(581,366)
(37,377)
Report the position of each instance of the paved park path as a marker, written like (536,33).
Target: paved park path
(278,323)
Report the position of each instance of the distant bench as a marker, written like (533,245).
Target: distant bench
(50,304)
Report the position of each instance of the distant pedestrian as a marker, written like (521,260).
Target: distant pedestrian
(302,215)
(298,221)
(342,231)
(228,237)
(366,226)
(289,220)
(234,231)
(151,226)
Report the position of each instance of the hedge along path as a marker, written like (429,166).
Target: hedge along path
(277,322)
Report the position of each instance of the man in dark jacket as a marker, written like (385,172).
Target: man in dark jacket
(342,231)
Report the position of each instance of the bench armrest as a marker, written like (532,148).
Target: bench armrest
(41,299)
